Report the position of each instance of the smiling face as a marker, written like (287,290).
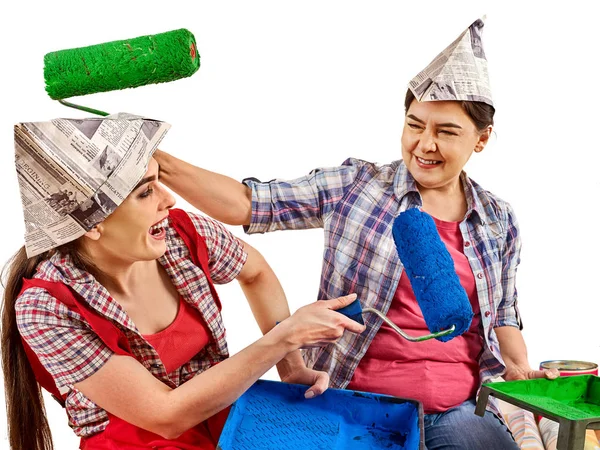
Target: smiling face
(437,141)
(135,230)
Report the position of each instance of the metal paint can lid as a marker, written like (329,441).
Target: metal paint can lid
(570,365)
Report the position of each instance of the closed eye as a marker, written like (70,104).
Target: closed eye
(147,193)
(449,133)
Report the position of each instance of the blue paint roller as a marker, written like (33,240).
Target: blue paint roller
(430,269)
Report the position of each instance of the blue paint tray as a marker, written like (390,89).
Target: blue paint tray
(275,415)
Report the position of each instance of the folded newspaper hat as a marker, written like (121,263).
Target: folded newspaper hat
(458,73)
(73,173)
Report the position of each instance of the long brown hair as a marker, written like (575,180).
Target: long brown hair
(26,415)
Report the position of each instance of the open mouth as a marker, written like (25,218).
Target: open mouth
(428,162)
(158,230)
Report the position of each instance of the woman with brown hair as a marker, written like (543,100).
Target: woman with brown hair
(356,204)
(123,326)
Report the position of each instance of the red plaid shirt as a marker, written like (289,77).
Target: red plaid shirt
(71,352)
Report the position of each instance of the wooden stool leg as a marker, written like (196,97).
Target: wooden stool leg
(482,401)
(571,435)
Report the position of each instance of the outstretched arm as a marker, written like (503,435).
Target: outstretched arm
(269,305)
(123,387)
(218,196)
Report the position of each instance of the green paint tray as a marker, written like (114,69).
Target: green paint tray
(573,402)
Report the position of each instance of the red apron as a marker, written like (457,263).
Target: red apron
(120,434)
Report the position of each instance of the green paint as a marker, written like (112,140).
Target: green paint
(573,398)
(124,64)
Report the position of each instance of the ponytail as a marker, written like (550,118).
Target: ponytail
(25,412)
(28,427)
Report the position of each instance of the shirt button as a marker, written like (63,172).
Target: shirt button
(480,275)
(467,244)
(487,314)
(155,366)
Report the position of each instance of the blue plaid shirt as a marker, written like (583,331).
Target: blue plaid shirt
(356,204)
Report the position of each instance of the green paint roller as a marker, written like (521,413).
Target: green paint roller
(116,65)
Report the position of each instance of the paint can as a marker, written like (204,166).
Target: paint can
(568,367)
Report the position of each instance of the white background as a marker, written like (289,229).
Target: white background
(285,87)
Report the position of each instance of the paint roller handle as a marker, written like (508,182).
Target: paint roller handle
(408,337)
(354,311)
(83,108)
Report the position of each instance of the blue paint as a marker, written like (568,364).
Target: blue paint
(276,415)
(430,269)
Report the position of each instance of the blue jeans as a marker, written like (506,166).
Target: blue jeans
(460,429)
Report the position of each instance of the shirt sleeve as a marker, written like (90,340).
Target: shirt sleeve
(508,312)
(226,254)
(65,345)
(301,203)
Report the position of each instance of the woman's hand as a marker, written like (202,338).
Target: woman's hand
(514,354)
(292,369)
(318,324)
(316,379)
(527,373)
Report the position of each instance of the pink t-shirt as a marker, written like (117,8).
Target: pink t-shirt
(441,375)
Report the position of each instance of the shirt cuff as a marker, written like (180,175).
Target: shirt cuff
(260,196)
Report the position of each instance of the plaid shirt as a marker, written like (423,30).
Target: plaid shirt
(71,352)
(356,204)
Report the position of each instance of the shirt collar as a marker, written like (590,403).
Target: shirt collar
(61,268)
(404,184)
(475,208)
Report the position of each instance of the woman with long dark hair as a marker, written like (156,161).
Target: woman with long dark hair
(123,326)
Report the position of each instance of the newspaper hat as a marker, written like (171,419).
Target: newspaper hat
(73,173)
(458,73)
